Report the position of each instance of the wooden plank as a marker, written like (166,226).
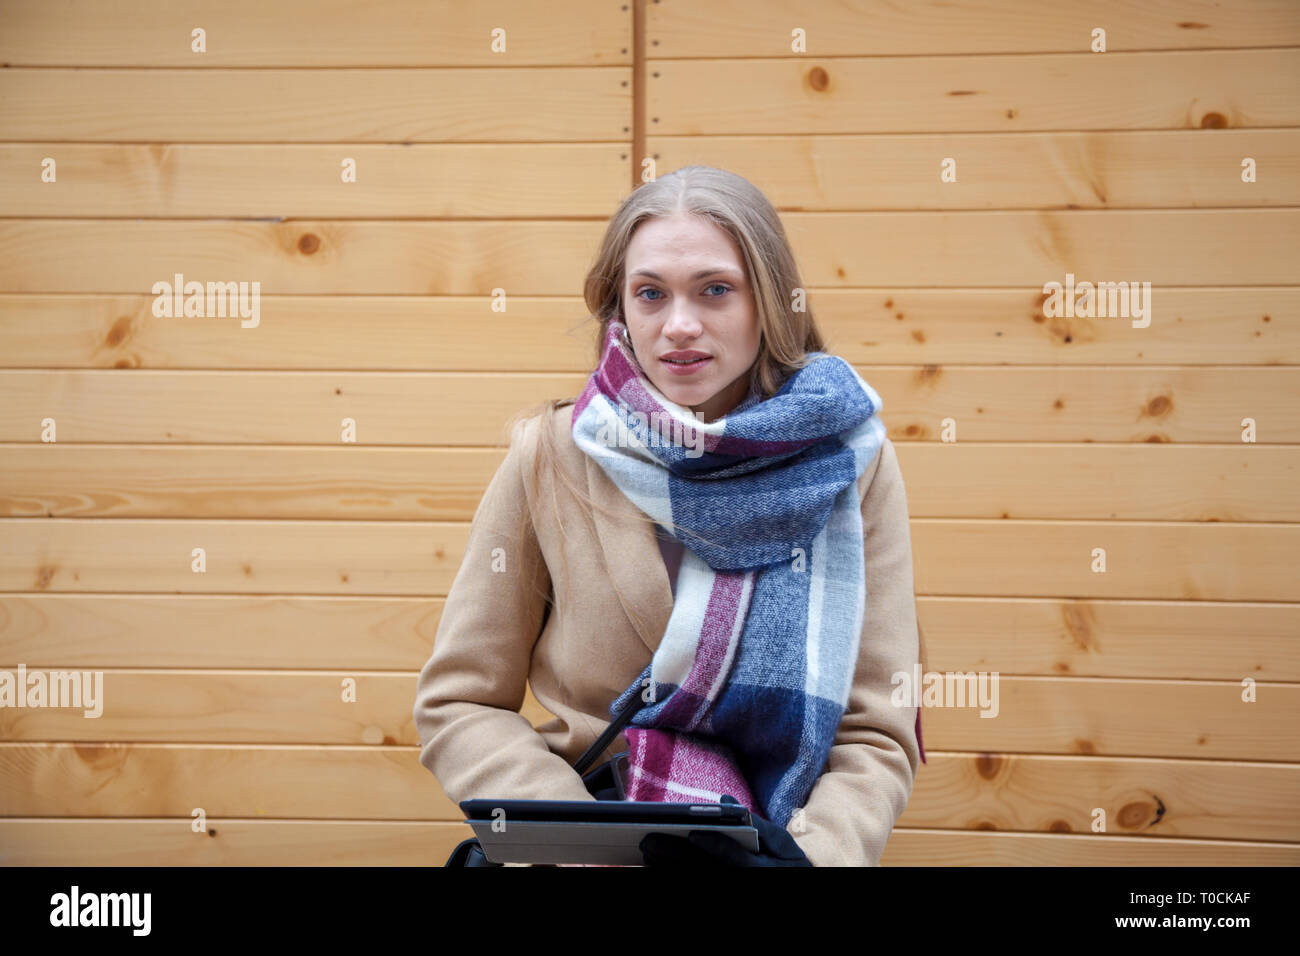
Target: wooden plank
(219,631)
(1159,482)
(26,841)
(1042,715)
(1022,636)
(304,33)
(736,28)
(415,333)
(1214,561)
(1191,326)
(1206,561)
(1123,717)
(1133,170)
(442,484)
(150,706)
(138,705)
(531,257)
(534,257)
(248,557)
(1049,481)
(308,407)
(566,180)
(456,105)
(1036,404)
(1098,638)
(1095,170)
(1156,798)
(955,94)
(1162,247)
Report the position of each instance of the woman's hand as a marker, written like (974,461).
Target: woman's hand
(776,847)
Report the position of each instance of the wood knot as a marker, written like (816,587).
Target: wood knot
(1078,625)
(1214,121)
(818,79)
(1159,406)
(99,756)
(986,765)
(1059,826)
(118,332)
(308,243)
(1137,815)
(44,575)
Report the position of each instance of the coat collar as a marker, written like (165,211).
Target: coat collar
(632,555)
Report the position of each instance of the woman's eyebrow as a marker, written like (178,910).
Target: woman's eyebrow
(699,275)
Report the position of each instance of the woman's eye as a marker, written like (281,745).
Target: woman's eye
(641,294)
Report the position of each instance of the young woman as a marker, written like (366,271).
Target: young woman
(717,523)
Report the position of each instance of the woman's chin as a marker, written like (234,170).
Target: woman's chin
(684,396)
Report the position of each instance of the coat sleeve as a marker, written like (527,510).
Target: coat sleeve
(869,773)
(472,737)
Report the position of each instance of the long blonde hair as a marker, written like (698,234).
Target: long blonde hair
(735,205)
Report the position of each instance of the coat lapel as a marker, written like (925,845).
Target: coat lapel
(632,555)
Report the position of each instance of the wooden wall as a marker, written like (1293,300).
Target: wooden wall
(480,171)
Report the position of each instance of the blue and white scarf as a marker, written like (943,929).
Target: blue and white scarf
(752,676)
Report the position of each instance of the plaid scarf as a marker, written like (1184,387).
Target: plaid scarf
(748,685)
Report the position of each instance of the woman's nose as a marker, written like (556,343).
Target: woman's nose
(682,322)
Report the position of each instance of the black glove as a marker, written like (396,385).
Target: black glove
(776,847)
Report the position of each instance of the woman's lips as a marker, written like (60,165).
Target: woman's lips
(687,369)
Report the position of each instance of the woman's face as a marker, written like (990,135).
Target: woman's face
(685,291)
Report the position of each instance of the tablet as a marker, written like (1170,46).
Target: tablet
(594,831)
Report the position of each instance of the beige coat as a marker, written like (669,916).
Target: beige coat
(491,640)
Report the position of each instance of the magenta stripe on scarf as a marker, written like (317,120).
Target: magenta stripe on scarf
(717,632)
(662,757)
(652,751)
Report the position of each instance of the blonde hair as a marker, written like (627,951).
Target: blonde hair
(738,208)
